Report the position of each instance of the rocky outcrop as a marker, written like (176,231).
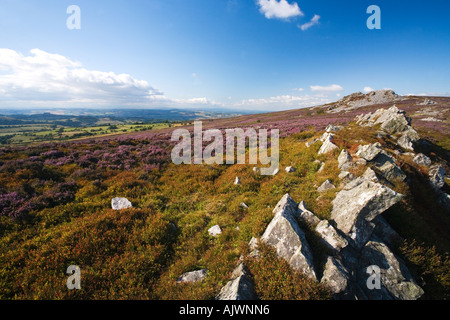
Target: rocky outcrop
(193,276)
(408,138)
(285,235)
(392,120)
(358,204)
(240,287)
(358,100)
(120,203)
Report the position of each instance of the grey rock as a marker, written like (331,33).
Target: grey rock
(336,277)
(357,204)
(327,185)
(330,236)
(346,177)
(332,128)
(344,160)
(422,160)
(214,231)
(307,216)
(385,232)
(240,287)
(120,203)
(396,280)
(289,169)
(285,235)
(407,139)
(436,175)
(237,181)
(388,168)
(370,151)
(328,145)
(369,174)
(193,276)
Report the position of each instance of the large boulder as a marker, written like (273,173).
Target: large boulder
(285,235)
(357,204)
(396,280)
(240,287)
(120,203)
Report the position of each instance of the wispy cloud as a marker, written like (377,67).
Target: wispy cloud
(282,102)
(279,9)
(327,89)
(313,22)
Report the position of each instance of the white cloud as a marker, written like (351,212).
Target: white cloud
(327,89)
(299,89)
(368,89)
(42,78)
(313,22)
(280,9)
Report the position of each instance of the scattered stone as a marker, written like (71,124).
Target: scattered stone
(437,176)
(214,231)
(255,169)
(290,169)
(237,181)
(243,205)
(358,204)
(240,287)
(422,160)
(327,185)
(330,236)
(327,147)
(370,151)
(120,203)
(285,235)
(193,276)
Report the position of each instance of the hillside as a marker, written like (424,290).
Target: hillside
(362,182)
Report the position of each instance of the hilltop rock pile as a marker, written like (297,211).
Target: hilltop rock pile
(358,239)
(359,100)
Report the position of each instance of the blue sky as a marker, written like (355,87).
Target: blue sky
(247,54)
